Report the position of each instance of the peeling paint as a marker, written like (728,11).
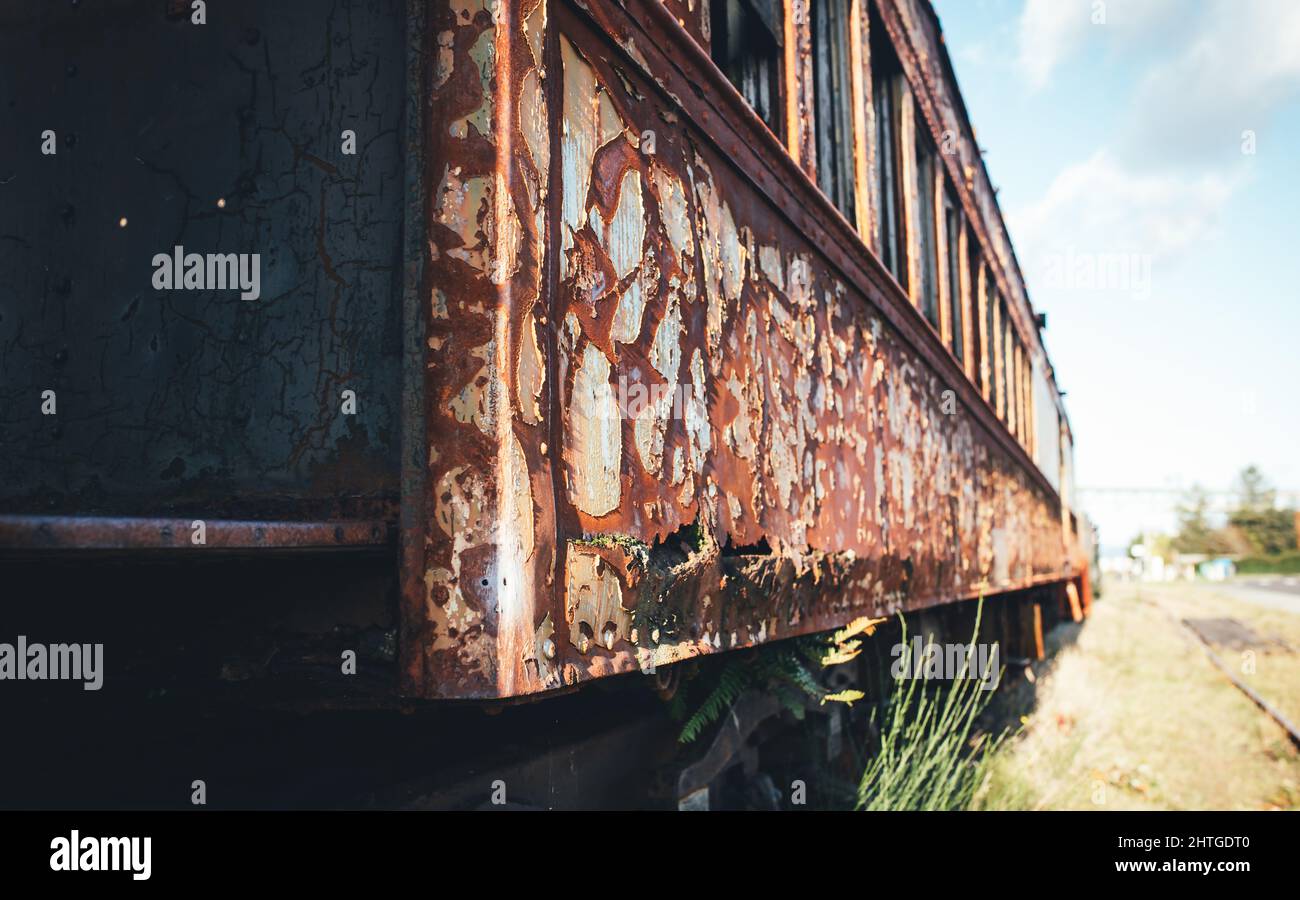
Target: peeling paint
(577,141)
(594,602)
(531,375)
(593,438)
(792,415)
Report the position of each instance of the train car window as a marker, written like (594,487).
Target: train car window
(991,324)
(1008,371)
(952,243)
(833,122)
(886,87)
(991,337)
(927,223)
(1026,400)
(746,46)
(978,340)
(1008,368)
(1017,409)
(1019,371)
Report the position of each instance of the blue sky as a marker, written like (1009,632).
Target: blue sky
(1116,134)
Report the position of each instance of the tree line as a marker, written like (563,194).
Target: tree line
(1255,526)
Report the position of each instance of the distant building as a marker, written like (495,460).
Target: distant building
(1220,569)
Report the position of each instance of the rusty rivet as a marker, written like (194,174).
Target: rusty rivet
(583,644)
(609,634)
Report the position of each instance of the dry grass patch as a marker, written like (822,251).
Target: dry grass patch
(1132,715)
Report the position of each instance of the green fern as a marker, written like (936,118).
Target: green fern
(785,670)
(733,682)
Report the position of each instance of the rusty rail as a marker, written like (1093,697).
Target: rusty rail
(37,533)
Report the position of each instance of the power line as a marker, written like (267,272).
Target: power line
(1179,492)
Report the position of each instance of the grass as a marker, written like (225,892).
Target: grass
(1130,714)
(927,759)
(1271,671)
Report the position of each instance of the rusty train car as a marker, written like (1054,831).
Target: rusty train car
(592,336)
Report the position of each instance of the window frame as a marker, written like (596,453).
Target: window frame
(926,159)
(833,122)
(952,232)
(892,239)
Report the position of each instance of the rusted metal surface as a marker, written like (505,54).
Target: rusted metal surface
(26,533)
(654,395)
(199,402)
(694,17)
(674,405)
(485,560)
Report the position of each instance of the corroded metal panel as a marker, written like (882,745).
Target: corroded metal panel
(481,561)
(221,138)
(693,16)
(668,415)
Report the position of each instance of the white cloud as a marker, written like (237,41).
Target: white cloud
(1050,31)
(1102,206)
(1240,64)
(1159,185)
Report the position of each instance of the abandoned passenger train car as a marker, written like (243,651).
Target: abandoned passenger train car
(669,327)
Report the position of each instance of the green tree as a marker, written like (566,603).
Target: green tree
(1266,528)
(1195,534)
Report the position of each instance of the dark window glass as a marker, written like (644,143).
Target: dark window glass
(746,45)
(886,88)
(952,235)
(990,308)
(1008,369)
(929,249)
(834,97)
(979,350)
